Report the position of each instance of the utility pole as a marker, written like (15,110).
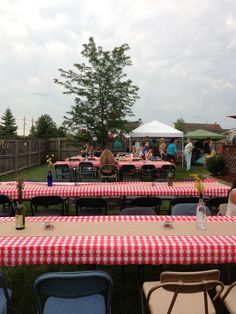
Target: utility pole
(24,125)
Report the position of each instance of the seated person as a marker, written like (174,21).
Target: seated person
(231,207)
(98,152)
(145,149)
(107,158)
(155,153)
(86,150)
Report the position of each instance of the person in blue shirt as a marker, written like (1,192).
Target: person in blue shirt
(171,150)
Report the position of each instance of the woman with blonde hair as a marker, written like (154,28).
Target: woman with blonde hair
(162,148)
(107,158)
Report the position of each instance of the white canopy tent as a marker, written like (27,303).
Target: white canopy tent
(156,129)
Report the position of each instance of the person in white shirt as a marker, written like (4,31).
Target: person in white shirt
(188,153)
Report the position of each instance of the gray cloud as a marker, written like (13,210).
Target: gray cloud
(183,53)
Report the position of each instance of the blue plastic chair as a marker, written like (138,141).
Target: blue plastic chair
(5,295)
(87,292)
(187,210)
(138,211)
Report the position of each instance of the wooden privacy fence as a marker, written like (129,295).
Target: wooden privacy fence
(229,153)
(20,154)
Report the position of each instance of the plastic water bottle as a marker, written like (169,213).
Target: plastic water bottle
(201,214)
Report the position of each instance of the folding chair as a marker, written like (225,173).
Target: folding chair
(181,200)
(47,206)
(228,297)
(137,211)
(5,295)
(108,173)
(187,210)
(91,206)
(181,292)
(65,173)
(148,202)
(87,292)
(87,171)
(148,173)
(6,207)
(127,172)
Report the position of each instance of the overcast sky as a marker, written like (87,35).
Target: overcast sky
(183,54)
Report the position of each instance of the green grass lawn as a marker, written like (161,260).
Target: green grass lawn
(125,293)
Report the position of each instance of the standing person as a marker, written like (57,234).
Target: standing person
(188,153)
(162,148)
(231,207)
(171,150)
(207,146)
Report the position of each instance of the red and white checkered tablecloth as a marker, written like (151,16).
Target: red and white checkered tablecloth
(112,189)
(118,250)
(96,163)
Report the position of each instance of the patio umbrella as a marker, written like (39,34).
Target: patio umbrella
(201,134)
(232,116)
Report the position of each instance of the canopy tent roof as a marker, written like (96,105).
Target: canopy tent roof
(155,129)
(203,134)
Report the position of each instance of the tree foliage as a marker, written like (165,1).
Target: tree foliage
(44,127)
(8,125)
(180,125)
(103,94)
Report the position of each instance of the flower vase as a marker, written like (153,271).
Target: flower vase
(201,213)
(50,178)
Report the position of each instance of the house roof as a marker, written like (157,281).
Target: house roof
(214,127)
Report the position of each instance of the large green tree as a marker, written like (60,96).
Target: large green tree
(8,125)
(180,125)
(44,127)
(104,96)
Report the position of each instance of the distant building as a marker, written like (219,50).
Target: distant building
(215,127)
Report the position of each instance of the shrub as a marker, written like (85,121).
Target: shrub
(216,165)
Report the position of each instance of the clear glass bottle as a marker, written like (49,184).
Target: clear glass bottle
(201,213)
(20,216)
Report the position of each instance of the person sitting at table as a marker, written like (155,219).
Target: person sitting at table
(231,207)
(107,158)
(98,152)
(153,153)
(145,149)
(86,150)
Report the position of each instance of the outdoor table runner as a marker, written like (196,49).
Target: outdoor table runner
(165,247)
(212,188)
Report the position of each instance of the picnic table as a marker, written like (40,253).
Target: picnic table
(117,240)
(212,188)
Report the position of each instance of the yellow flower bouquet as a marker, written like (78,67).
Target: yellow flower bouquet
(198,183)
(49,160)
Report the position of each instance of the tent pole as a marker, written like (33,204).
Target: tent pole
(130,142)
(182,151)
